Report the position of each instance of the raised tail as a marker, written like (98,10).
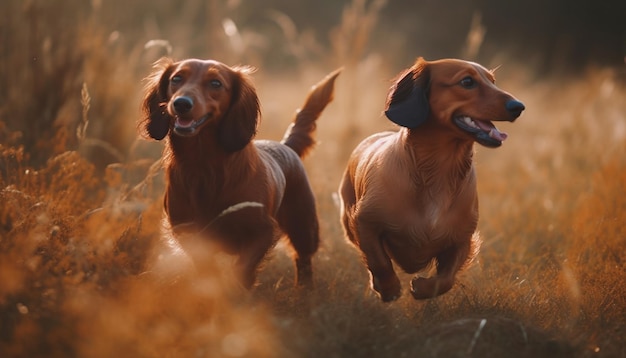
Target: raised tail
(299,135)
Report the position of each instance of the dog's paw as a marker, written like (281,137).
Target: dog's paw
(425,288)
(388,290)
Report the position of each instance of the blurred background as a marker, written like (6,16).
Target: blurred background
(53,50)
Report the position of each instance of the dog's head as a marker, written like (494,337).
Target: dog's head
(456,94)
(183,98)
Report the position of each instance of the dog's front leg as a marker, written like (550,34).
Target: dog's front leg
(383,277)
(253,251)
(248,232)
(449,261)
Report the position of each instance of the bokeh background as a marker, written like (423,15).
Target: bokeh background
(84,269)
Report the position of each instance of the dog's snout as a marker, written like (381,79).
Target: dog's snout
(183,104)
(514,107)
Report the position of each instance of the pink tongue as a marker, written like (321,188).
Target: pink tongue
(496,134)
(183,123)
(492,130)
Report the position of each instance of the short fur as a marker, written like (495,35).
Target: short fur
(410,196)
(239,193)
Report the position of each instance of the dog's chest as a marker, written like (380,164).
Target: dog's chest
(433,218)
(436,216)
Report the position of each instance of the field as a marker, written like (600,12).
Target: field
(85,270)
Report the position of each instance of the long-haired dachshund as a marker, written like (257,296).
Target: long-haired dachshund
(232,190)
(409,197)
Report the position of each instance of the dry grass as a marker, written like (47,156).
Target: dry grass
(86,272)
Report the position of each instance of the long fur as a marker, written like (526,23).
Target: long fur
(208,114)
(409,197)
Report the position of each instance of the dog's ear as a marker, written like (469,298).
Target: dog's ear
(239,125)
(407,101)
(156,121)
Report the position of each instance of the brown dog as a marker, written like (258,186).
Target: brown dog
(240,193)
(410,196)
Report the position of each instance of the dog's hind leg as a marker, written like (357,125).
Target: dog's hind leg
(304,240)
(298,219)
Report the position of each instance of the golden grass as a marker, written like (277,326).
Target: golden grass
(85,269)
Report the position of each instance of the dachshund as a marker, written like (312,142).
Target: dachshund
(409,197)
(223,186)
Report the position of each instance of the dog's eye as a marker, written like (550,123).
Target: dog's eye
(176,79)
(215,83)
(468,82)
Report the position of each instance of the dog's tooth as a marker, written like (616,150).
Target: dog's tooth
(469,122)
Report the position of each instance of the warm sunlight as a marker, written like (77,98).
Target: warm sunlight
(89,268)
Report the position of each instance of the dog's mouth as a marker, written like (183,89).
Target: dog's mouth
(189,127)
(484,132)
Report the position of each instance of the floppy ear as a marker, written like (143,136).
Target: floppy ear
(239,125)
(407,101)
(156,121)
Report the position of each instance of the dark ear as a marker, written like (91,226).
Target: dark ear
(239,125)
(156,121)
(407,101)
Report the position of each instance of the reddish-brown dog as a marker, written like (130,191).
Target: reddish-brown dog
(240,193)
(410,196)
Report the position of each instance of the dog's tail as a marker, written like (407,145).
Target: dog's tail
(299,135)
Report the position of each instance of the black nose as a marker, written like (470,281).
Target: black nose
(515,108)
(183,104)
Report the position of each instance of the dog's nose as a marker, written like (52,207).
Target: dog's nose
(515,108)
(183,104)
